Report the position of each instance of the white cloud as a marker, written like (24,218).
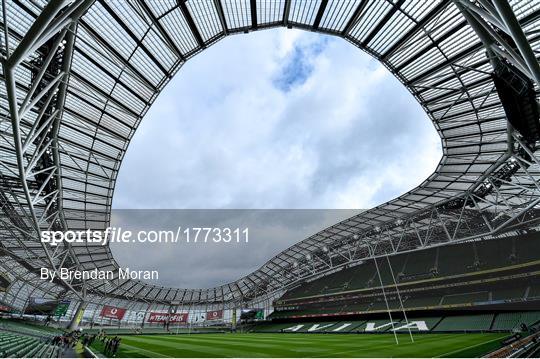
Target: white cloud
(224,135)
(274,119)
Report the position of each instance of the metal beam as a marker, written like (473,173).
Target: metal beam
(320,13)
(460,55)
(354,18)
(286,12)
(117,56)
(221,14)
(433,44)
(413,31)
(191,23)
(253,8)
(170,42)
(382,22)
(134,37)
(516,31)
(505,21)
(39,26)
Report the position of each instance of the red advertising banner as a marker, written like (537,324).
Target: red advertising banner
(4,308)
(155,317)
(214,315)
(113,312)
(178,318)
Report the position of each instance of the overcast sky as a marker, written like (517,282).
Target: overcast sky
(275,119)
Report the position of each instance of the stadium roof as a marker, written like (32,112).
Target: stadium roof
(66,129)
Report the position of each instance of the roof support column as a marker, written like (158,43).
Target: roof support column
(512,24)
(77,316)
(482,20)
(55,20)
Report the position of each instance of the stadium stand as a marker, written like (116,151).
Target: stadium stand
(27,328)
(424,296)
(417,266)
(22,346)
(496,322)
(517,347)
(431,322)
(455,323)
(437,262)
(533,290)
(479,322)
(500,271)
(512,321)
(419,302)
(465,298)
(508,293)
(79,76)
(155,330)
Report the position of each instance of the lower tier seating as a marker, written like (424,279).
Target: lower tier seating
(465,322)
(22,346)
(513,321)
(449,323)
(29,328)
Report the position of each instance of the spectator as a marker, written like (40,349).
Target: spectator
(116,345)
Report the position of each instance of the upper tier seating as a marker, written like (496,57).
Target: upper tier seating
(465,298)
(440,262)
(534,290)
(506,293)
(457,294)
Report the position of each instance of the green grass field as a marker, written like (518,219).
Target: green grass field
(307,345)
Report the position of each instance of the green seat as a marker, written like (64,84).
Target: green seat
(479,322)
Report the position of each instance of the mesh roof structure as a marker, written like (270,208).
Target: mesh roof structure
(116,56)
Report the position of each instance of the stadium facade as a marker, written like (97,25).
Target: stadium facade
(79,76)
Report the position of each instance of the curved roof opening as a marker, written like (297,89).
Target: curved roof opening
(275,119)
(279,119)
